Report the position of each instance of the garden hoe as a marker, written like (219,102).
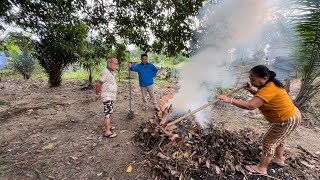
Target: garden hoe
(130,113)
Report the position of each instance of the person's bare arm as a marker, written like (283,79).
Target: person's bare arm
(252,91)
(98,90)
(252,104)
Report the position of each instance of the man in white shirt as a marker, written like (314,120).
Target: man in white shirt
(106,89)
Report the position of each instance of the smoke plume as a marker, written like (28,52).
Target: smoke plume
(228,25)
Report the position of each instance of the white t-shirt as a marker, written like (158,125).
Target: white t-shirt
(109,85)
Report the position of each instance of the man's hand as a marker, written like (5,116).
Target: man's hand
(98,90)
(129,65)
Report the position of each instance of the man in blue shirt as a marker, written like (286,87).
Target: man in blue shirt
(146,72)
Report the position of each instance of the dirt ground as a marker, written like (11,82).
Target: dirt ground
(56,133)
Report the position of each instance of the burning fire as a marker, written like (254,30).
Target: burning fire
(164,104)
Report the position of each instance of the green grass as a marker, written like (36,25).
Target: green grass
(2,168)
(163,83)
(10,74)
(40,75)
(81,75)
(3,103)
(5,73)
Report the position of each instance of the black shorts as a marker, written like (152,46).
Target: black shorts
(108,108)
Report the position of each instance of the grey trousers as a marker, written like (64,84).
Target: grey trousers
(150,90)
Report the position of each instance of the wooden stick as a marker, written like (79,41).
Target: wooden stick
(200,108)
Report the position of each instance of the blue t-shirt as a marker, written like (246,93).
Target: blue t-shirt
(146,73)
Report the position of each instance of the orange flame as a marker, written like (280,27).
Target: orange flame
(164,101)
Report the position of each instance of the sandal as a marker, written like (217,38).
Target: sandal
(252,170)
(278,164)
(112,135)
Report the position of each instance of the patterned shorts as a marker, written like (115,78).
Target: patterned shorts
(108,108)
(278,132)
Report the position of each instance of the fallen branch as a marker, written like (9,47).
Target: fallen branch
(39,174)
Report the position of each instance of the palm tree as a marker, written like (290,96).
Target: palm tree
(307,54)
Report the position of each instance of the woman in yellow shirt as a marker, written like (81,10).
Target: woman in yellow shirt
(275,104)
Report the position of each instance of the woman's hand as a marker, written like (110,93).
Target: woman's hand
(224,98)
(247,86)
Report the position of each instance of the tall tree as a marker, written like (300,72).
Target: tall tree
(59,31)
(161,26)
(58,47)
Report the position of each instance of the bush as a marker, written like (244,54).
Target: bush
(6,73)
(24,64)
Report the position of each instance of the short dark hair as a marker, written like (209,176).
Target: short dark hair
(144,55)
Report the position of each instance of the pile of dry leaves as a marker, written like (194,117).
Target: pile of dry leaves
(187,151)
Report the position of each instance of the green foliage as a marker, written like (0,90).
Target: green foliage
(58,47)
(122,55)
(7,73)
(93,53)
(169,22)
(308,52)
(20,40)
(135,54)
(3,103)
(4,9)
(82,74)
(24,64)
(89,65)
(12,50)
(164,83)
(40,75)
(58,28)
(39,15)
(18,48)
(162,60)
(2,168)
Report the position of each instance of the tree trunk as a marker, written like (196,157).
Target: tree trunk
(287,85)
(119,74)
(305,94)
(55,74)
(90,77)
(299,99)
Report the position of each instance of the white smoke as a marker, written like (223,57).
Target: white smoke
(231,23)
